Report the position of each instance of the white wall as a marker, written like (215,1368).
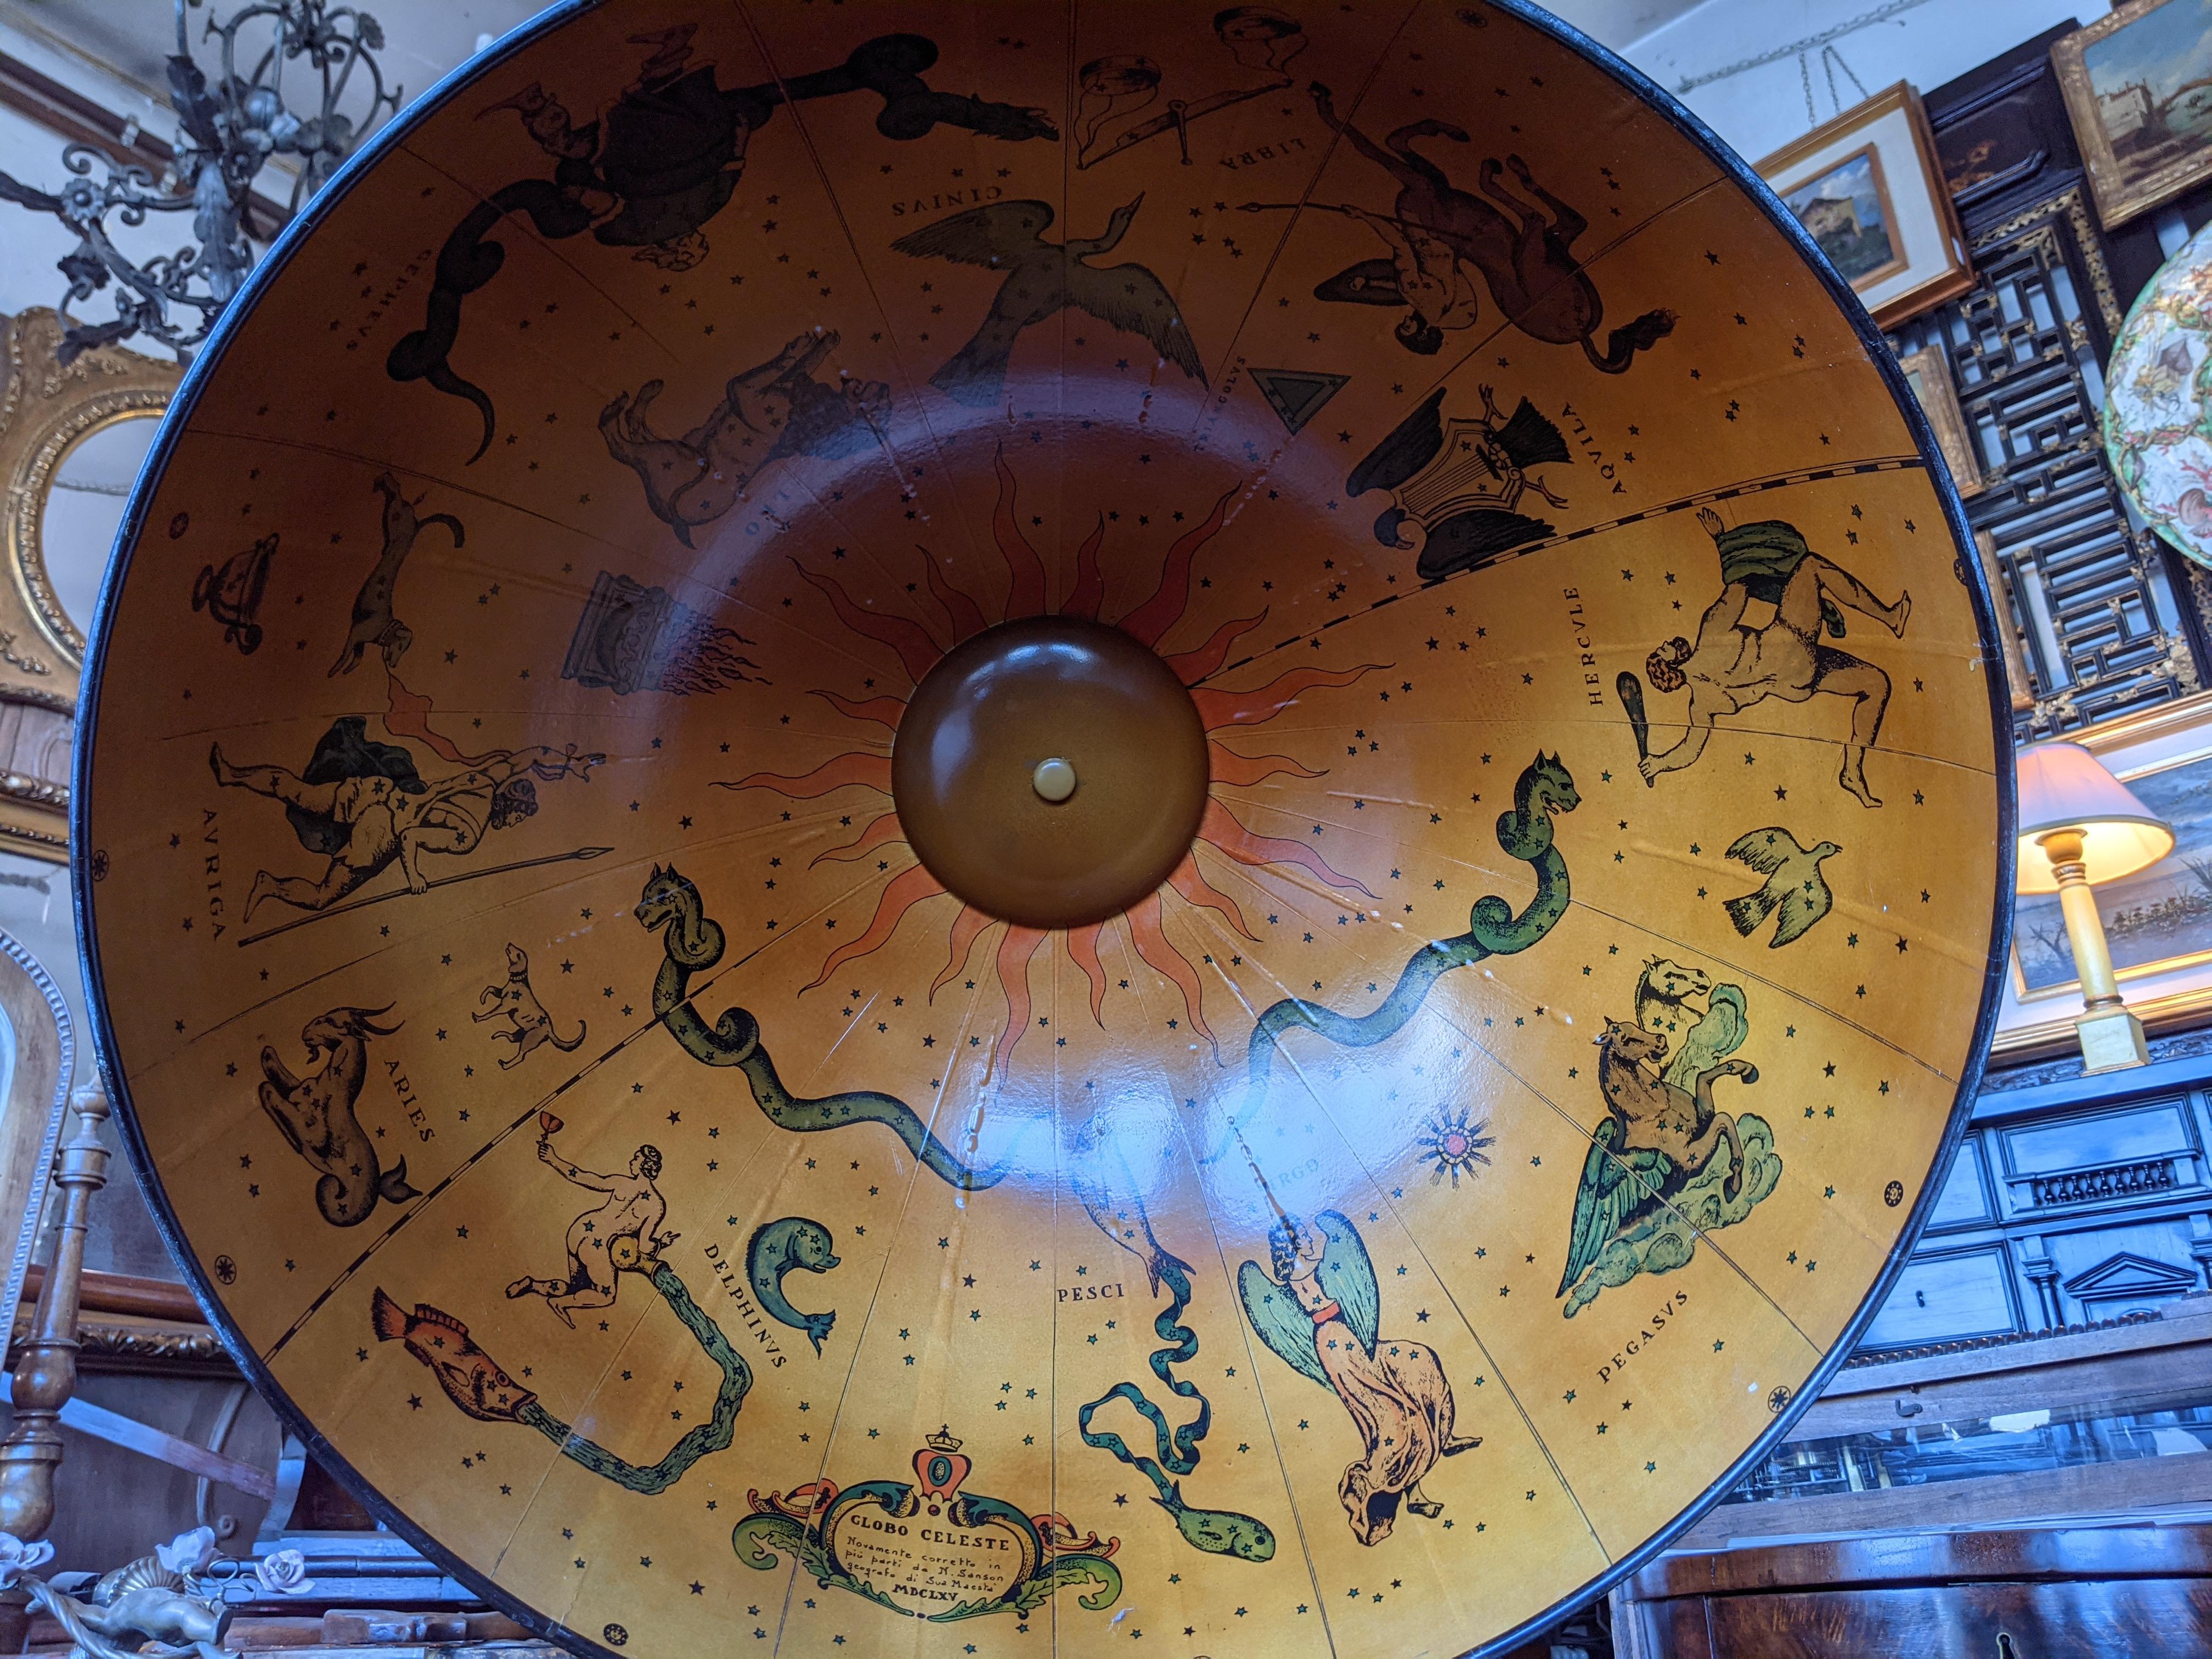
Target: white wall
(1762,109)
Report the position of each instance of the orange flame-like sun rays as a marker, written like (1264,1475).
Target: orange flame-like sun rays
(918,650)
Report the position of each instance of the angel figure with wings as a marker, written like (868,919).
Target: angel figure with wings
(1319,1312)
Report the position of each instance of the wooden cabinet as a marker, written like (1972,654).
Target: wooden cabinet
(2144,1592)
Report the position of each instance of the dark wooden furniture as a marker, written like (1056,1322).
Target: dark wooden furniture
(2101,1376)
(2144,1592)
(2071,1200)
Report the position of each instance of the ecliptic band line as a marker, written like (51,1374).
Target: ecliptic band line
(1682,504)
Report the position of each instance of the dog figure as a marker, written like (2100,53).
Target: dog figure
(373,621)
(515,1001)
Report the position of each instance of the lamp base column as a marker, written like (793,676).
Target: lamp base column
(2111,1040)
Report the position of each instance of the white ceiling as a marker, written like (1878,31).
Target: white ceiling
(1621,23)
(134,37)
(426,38)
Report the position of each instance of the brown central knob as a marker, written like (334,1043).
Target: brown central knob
(1050,771)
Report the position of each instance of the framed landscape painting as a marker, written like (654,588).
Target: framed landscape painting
(1866,190)
(2138,88)
(1848,211)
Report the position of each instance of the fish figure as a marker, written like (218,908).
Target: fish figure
(1220,1532)
(778,1248)
(470,1376)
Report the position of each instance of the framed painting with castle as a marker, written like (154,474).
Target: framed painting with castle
(2138,87)
(1867,189)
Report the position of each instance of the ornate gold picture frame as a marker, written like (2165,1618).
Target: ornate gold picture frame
(2126,78)
(2020,680)
(48,409)
(1930,376)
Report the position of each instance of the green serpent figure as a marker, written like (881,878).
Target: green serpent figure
(693,943)
(478,1384)
(1218,1532)
(712,1435)
(1525,833)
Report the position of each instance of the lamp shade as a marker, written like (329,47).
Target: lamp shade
(2063,786)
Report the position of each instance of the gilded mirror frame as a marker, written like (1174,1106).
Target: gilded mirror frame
(46,409)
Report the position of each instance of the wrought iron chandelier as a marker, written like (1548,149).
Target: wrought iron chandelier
(228,131)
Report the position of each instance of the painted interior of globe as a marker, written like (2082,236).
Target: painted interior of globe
(703,1225)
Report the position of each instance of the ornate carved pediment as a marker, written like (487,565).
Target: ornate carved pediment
(2129,1275)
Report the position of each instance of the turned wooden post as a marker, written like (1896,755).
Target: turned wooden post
(46,1366)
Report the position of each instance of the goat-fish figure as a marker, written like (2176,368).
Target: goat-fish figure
(315,1115)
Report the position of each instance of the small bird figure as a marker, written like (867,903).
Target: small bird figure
(1795,884)
(1041,279)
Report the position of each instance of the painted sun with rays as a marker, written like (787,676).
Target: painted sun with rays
(1220,833)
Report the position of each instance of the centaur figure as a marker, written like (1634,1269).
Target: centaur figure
(1761,639)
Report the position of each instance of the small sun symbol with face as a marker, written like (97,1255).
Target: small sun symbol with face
(1455,1141)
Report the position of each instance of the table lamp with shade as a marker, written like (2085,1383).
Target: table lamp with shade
(2080,826)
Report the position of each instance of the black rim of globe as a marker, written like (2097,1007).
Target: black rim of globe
(390,138)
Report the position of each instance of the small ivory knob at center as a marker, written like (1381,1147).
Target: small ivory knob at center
(1054,779)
